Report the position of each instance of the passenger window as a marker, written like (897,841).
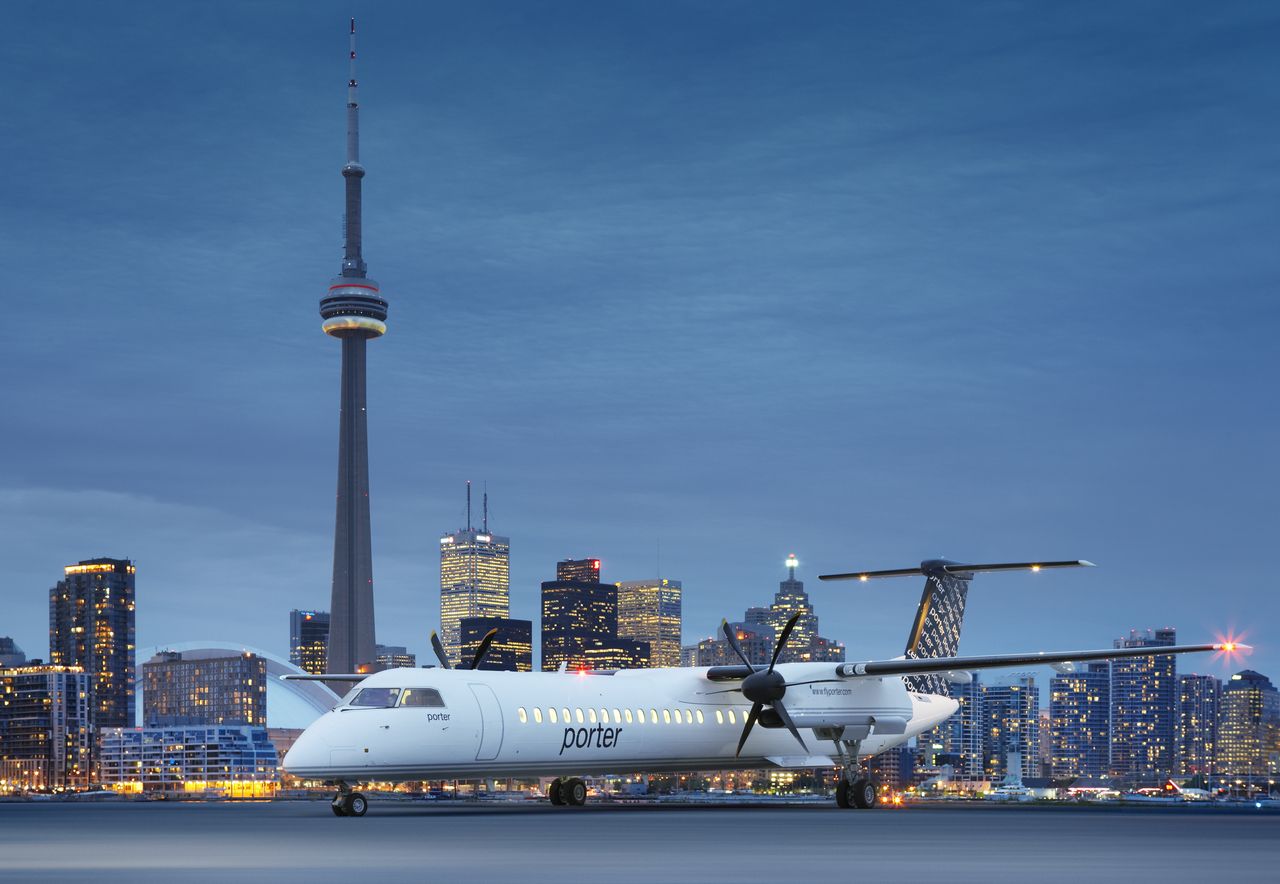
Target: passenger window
(537,715)
(617,717)
(627,712)
(604,716)
(578,712)
(688,717)
(422,697)
(732,720)
(699,714)
(719,717)
(639,716)
(551,713)
(567,717)
(666,716)
(376,698)
(653,716)
(520,713)
(591,716)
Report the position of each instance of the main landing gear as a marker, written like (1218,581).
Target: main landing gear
(348,803)
(855,790)
(571,792)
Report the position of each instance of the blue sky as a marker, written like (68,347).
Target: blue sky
(700,284)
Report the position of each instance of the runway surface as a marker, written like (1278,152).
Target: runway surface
(303,841)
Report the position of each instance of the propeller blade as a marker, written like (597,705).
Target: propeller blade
(733,643)
(438,647)
(782,639)
(746,730)
(791,725)
(484,647)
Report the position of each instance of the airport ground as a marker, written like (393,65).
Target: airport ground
(533,842)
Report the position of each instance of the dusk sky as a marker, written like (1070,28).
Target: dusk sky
(688,286)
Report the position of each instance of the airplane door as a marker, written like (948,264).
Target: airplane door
(490,722)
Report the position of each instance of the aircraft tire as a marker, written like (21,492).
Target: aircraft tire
(842,794)
(555,792)
(864,794)
(355,804)
(337,808)
(575,792)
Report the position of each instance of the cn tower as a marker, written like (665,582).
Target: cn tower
(353,312)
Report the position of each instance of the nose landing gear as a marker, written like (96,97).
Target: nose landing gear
(348,803)
(569,791)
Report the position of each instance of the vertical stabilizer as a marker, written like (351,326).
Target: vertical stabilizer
(935,632)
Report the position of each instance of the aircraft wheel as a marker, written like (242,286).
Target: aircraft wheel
(864,794)
(575,792)
(842,794)
(337,806)
(355,804)
(555,792)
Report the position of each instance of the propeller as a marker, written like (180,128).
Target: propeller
(764,687)
(438,647)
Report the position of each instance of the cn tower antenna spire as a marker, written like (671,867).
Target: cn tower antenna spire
(352,260)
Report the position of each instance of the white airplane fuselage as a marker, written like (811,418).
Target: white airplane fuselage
(497,724)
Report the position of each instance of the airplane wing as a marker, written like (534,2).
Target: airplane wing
(922,666)
(957,568)
(334,676)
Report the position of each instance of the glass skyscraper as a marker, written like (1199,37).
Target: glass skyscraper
(475,578)
(1080,722)
(309,640)
(1144,703)
(1198,704)
(91,625)
(580,622)
(46,732)
(1248,729)
(512,648)
(1011,723)
(650,611)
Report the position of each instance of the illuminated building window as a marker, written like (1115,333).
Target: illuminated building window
(719,717)
(520,713)
(666,716)
(537,715)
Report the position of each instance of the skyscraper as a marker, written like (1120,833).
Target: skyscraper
(1198,705)
(475,578)
(1080,716)
(309,640)
(1248,729)
(580,622)
(1144,700)
(1011,722)
(512,648)
(230,690)
(353,312)
(46,729)
(10,653)
(964,736)
(649,611)
(91,625)
(395,657)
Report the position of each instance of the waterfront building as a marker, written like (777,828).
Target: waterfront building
(235,762)
(650,611)
(394,657)
(1198,705)
(1248,740)
(91,625)
(309,640)
(1144,701)
(10,653)
(1080,722)
(475,578)
(46,727)
(1011,724)
(964,733)
(354,312)
(512,648)
(178,690)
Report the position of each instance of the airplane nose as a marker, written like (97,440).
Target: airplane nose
(310,752)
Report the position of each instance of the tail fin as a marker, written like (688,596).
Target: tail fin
(935,632)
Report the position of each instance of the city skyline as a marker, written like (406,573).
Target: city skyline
(512,239)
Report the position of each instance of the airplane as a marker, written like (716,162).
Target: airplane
(402,725)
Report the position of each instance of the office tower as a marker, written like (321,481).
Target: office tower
(1198,705)
(755,639)
(649,611)
(10,653)
(394,657)
(91,625)
(46,727)
(1248,731)
(805,644)
(230,690)
(475,578)
(580,622)
(689,655)
(512,648)
(619,653)
(309,640)
(582,570)
(354,312)
(1011,724)
(1080,716)
(1144,701)
(231,761)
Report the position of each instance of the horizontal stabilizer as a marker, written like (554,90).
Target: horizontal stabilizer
(928,665)
(959,569)
(328,676)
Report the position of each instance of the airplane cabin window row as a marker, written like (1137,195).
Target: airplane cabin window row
(620,716)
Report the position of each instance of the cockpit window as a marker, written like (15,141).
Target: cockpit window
(421,697)
(376,698)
